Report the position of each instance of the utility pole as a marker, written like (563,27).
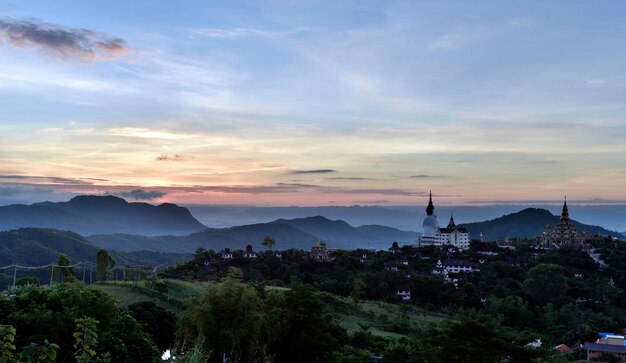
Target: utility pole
(14,274)
(84,270)
(51,274)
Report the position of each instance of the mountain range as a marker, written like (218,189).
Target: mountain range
(407,218)
(293,233)
(527,223)
(42,246)
(88,214)
(111,222)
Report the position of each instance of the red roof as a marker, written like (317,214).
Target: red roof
(563,348)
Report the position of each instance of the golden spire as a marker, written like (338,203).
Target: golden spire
(565,213)
(431,208)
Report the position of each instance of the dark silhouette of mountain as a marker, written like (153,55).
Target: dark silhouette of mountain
(296,233)
(41,246)
(89,214)
(527,223)
(343,235)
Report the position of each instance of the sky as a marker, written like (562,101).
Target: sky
(313,102)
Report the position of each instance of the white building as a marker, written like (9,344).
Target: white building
(433,235)
(452,235)
(430,224)
(452,266)
(404,292)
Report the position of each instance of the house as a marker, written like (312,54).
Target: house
(455,266)
(362,256)
(516,261)
(226,254)
(249,253)
(563,348)
(486,249)
(404,292)
(390,266)
(319,252)
(394,248)
(401,261)
(608,343)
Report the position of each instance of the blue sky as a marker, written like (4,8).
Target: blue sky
(313,103)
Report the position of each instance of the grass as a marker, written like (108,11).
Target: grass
(386,320)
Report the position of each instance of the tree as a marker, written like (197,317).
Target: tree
(104,262)
(43,313)
(268,242)
(545,283)
(226,319)
(67,273)
(158,322)
(306,333)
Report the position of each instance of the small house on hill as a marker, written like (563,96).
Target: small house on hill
(249,253)
(226,254)
(319,252)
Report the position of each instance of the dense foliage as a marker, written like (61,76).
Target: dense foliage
(519,295)
(40,314)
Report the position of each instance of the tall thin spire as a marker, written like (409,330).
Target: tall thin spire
(431,208)
(451,224)
(565,213)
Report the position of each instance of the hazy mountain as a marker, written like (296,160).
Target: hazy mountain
(527,223)
(343,235)
(295,233)
(42,246)
(90,214)
(407,218)
(227,216)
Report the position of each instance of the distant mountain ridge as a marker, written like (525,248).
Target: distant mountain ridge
(527,223)
(294,233)
(90,214)
(42,246)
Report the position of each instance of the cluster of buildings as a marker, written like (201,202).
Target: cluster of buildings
(607,344)
(433,235)
(563,235)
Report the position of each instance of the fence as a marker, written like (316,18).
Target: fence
(82,271)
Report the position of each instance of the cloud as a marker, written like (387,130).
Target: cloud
(175,157)
(419,176)
(348,178)
(314,171)
(141,194)
(49,179)
(59,41)
(379,201)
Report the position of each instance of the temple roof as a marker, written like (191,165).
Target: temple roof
(565,212)
(431,208)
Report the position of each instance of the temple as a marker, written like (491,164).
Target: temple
(433,235)
(429,225)
(564,234)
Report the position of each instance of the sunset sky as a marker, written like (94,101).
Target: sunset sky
(313,102)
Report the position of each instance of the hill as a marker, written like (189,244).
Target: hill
(340,234)
(527,223)
(89,214)
(294,233)
(41,246)
(211,238)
